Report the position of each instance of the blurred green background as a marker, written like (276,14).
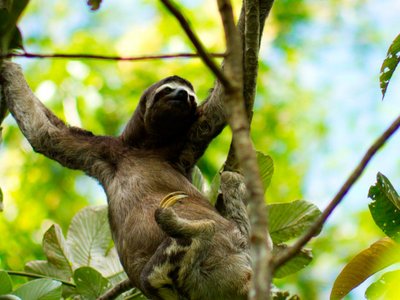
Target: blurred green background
(317,110)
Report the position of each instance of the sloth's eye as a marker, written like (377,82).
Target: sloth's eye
(167,90)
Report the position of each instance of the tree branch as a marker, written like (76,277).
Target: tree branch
(32,275)
(117,290)
(292,251)
(106,57)
(239,123)
(205,56)
(251,24)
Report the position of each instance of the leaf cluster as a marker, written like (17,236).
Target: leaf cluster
(83,264)
(385,210)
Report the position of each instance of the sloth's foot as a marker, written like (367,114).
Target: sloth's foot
(172,198)
(176,226)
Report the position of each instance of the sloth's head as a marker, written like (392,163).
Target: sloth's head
(166,111)
(170,105)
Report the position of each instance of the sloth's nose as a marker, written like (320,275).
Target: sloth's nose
(181,94)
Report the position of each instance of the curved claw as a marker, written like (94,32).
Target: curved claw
(172,198)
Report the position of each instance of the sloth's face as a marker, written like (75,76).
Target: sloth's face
(172,108)
(174,95)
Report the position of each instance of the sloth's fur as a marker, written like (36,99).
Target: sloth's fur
(187,250)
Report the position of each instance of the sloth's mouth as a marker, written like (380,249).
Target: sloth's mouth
(179,101)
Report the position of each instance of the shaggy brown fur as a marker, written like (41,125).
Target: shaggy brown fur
(181,249)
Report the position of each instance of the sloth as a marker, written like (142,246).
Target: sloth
(172,243)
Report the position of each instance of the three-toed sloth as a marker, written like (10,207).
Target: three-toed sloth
(172,242)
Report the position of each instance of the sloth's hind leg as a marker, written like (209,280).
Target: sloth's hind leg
(178,227)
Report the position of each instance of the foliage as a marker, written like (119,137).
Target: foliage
(381,254)
(38,289)
(85,262)
(385,207)
(390,64)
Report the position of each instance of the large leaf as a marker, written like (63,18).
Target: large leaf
(389,64)
(385,207)
(58,264)
(43,267)
(89,236)
(295,264)
(387,287)
(290,220)
(40,289)
(378,256)
(111,267)
(5,283)
(198,180)
(88,244)
(214,188)
(56,250)
(266,167)
(90,284)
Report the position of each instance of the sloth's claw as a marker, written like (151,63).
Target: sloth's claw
(172,198)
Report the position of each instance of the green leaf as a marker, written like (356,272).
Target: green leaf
(9,297)
(385,207)
(111,268)
(56,250)
(389,64)
(40,289)
(290,220)
(387,287)
(89,236)
(214,188)
(1,197)
(198,180)
(378,256)
(94,4)
(90,284)
(135,295)
(59,263)
(43,267)
(5,283)
(295,264)
(266,166)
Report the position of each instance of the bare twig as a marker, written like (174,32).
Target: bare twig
(205,56)
(292,251)
(32,275)
(117,290)
(106,57)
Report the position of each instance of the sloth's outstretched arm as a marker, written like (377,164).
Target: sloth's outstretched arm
(72,147)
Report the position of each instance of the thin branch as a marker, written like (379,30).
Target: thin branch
(106,57)
(117,290)
(292,251)
(205,56)
(32,275)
